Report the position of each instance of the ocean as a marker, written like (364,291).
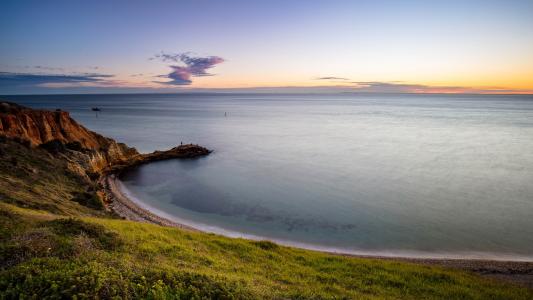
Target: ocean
(378,174)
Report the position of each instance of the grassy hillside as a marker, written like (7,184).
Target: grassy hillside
(34,178)
(55,245)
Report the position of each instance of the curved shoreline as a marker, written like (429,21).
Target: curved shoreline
(515,271)
(123,206)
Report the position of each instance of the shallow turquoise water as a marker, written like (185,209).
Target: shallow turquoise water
(428,175)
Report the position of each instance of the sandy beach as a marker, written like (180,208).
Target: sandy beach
(127,209)
(518,272)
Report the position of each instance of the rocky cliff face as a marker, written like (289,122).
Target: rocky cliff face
(87,150)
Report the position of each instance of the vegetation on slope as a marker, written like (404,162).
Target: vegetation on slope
(53,246)
(34,178)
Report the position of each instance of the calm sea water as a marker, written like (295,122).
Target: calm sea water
(383,174)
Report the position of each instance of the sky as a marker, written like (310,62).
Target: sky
(170,46)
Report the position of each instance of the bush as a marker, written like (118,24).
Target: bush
(54,146)
(30,244)
(266,245)
(76,146)
(74,227)
(50,277)
(93,175)
(88,199)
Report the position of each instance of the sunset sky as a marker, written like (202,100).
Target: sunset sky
(169,46)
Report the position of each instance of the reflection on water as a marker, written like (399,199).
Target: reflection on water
(405,173)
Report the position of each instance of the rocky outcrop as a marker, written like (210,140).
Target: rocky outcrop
(87,152)
(182,151)
(90,150)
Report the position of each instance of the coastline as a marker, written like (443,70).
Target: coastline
(55,210)
(517,272)
(124,207)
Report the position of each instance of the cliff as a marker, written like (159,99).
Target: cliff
(56,130)
(86,151)
(41,126)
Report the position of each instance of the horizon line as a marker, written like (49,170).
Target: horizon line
(244,91)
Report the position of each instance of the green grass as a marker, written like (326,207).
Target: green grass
(56,247)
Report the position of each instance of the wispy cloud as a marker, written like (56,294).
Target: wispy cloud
(399,87)
(393,86)
(191,67)
(9,79)
(46,68)
(331,78)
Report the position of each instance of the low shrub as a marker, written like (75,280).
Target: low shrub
(54,146)
(71,227)
(266,245)
(51,277)
(75,146)
(88,199)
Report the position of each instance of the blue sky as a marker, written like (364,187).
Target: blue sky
(421,46)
